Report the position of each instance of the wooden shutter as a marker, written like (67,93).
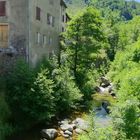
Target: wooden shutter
(3,36)
(2,8)
(38,13)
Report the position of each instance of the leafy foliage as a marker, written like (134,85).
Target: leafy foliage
(84,39)
(125,73)
(66,91)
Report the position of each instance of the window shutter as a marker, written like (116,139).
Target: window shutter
(3,36)
(38,13)
(2,8)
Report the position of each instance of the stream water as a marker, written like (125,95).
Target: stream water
(102,119)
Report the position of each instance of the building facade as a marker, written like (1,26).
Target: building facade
(31,28)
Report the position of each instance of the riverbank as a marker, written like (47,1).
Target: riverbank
(76,123)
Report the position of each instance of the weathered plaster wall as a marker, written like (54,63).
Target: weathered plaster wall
(23,28)
(17,20)
(39,50)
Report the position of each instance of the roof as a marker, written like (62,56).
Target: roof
(63,3)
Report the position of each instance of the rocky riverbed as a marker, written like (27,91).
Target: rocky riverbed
(69,129)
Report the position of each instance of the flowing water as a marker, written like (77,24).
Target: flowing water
(102,119)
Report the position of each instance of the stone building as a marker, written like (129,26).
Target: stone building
(31,28)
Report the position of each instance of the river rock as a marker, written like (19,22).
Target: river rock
(68,133)
(65,127)
(49,134)
(113,94)
(66,136)
(110,89)
(73,125)
(105,82)
(80,123)
(78,131)
(105,106)
(65,121)
(62,132)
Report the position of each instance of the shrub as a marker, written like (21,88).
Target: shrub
(29,95)
(41,99)
(66,91)
(125,73)
(5,128)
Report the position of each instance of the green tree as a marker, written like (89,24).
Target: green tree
(66,92)
(84,38)
(29,95)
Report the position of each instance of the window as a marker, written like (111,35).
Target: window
(2,8)
(3,36)
(38,38)
(53,21)
(63,18)
(38,13)
(44,40)
(50,41)
(50,20)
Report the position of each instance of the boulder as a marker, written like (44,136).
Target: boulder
(65,127)
(103,90)
(66,136)
(78,131)
(80,123)
(113,94)
(105,82)
(68,133)
(110,88)
(49,134)
(65,121)
(73,125)
(61,132)
(105,106)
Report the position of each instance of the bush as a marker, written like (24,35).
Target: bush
(29,95)
(5,128)
(90,81)
(66,91)
(36,95)
(125,73)
(41,99)
(18,87)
